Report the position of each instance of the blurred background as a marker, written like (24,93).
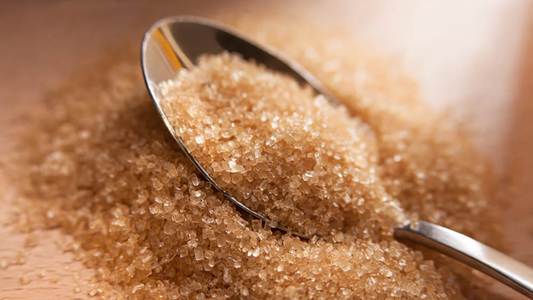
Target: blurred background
(472,57)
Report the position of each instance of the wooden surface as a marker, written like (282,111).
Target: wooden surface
(476,58)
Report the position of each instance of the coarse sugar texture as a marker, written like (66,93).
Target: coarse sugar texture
(279,148)
(104,170)
(426,160)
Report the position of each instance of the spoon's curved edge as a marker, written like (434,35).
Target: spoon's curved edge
(153,90)
(298,70)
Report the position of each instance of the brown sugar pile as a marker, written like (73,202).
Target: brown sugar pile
(104,170)
(278,148)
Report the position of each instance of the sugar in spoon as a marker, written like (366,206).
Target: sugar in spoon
(177,42)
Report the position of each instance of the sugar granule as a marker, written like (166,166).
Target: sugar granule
(104,170)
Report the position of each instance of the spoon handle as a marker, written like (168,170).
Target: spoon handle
(471,252)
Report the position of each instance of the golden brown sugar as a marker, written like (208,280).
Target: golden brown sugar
(426,161)
(278,148)
(104,170)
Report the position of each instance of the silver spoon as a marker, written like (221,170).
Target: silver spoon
(177,42)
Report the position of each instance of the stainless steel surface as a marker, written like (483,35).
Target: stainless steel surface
(175,43)
(471,252)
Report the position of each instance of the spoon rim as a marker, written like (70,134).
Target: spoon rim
(151,86)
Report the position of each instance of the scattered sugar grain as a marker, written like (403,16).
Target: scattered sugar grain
(54,279)
(19,259)
(4,263)
(25,279)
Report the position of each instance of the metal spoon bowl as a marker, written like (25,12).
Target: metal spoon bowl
(175,43)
